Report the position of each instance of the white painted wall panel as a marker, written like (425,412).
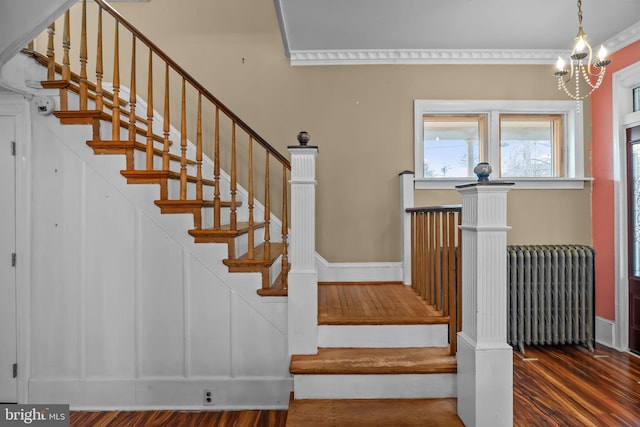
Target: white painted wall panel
(108,280)
(259,347)
(125,310)
(56,258)
(161,301)
(209,322)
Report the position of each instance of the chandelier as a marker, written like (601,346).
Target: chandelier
(580,67)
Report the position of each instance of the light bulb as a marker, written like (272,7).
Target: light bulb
(602,53)
(560,64)
(579,44)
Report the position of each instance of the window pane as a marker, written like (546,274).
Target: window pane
(529,146)
(452,145)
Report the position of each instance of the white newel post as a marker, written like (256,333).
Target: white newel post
(485,360)
(406,202)
(303,276)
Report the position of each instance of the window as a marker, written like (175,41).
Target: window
(531,145)
(537,144)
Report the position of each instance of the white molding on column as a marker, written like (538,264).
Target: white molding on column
(303,276)
(485,360)
(406,202)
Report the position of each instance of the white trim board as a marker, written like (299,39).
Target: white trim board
(605,331)
(358,271)
(622,83)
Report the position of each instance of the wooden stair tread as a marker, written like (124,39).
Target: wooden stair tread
(350,361)
(177,204)
(145,175)
(260,257)
(223,233)
(275,290)
(373,412)
(118,147)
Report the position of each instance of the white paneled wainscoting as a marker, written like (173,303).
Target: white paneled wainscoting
(119,307)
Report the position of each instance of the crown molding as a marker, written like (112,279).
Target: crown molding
(624,38)
(453,56)
(423,56)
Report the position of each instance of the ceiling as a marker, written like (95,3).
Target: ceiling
(387,31)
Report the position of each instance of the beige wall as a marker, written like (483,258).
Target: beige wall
(361,117)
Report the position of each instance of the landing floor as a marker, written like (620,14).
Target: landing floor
(373,304)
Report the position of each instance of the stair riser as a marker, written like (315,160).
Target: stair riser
(412,386)
(379,336)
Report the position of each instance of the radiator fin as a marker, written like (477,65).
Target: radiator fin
(551,295)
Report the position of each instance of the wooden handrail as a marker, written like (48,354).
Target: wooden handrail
(193,82)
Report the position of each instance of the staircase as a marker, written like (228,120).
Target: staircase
(158,154)
(375,341)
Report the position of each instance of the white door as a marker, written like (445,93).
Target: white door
(8,326)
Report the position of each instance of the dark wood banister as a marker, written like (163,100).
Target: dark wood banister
(193,82)
(443,208)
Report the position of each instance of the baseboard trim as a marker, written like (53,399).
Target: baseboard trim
(163,393)
(358,271)
(605,331)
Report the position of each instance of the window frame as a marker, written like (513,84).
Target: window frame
(572,136)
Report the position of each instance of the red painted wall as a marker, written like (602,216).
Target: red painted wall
(602,171)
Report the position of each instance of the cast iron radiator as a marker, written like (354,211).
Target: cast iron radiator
(550,295)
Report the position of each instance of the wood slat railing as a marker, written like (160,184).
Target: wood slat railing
(436,261)
(217,131)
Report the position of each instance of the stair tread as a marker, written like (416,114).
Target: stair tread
(390,303)
(161,174)
(373,412)
(225,230)
(113,146)
(190,203)
(276,289)
(260,258)
(350,361)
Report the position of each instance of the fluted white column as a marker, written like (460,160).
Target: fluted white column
(406,202)
(303,276)
(485,360)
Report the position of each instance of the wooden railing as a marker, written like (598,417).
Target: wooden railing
(436,262)
(201,118)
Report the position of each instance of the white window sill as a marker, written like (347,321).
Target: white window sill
(520,183)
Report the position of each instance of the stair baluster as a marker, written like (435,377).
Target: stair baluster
(216,171)
(285,232)
(132,93)
(199,150)
(51,58)
(99,65)
(149,140)
(166,125)
(66,63)
(251,235)
(267,211)
(115,111)
(183,144)
(83,58)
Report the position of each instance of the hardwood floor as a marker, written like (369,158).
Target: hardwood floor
(178,419)
(572,386)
